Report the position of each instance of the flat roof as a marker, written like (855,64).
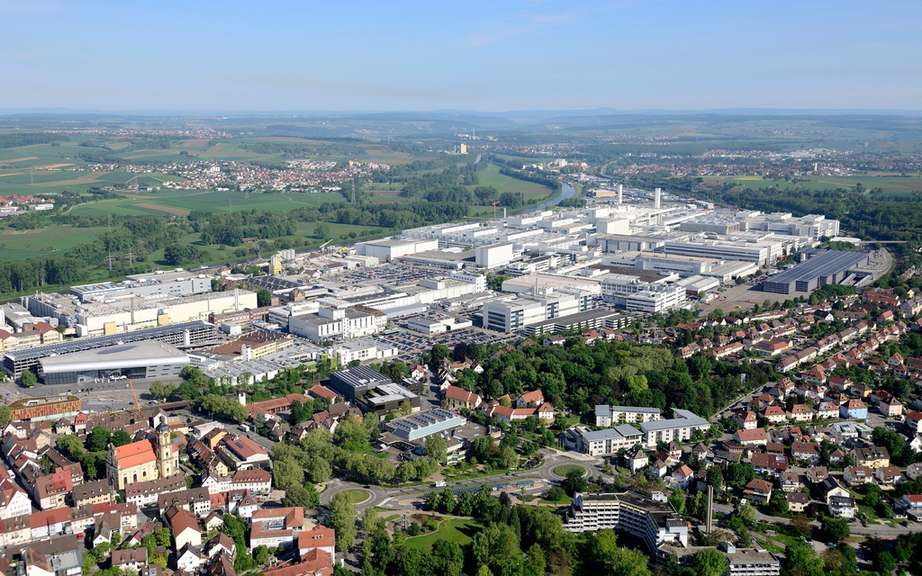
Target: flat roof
(89,343)
(145,353)
(823,264)
(681,419)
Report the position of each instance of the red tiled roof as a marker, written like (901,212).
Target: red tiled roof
(318,537)
(135,454)
(315,562)
(321,391)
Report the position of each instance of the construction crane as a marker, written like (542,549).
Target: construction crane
(137,401)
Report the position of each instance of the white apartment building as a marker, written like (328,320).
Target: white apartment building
(652,519)
(606,415)
(679,428)
(601,442)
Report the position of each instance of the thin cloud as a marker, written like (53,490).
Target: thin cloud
(526,23)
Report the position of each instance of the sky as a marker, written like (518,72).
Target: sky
(500,55)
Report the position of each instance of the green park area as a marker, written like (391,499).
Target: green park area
(453,529)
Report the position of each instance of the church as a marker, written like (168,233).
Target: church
(147,459)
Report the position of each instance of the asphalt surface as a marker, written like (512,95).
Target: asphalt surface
(531,481)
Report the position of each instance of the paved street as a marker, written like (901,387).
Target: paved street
(534,481)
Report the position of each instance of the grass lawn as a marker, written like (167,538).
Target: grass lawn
(19,245)
(459,530)
(356,495)
(490,175)
(565,469)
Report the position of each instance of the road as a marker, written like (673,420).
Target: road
(855,528)
(533,480)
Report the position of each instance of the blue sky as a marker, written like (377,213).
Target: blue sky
(265,55)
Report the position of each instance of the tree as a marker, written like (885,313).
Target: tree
(496,547)
(602,555)
(801,560)
(176,254)
(28,378)
(801,525)
(342,511)
(710,563)
(319,470)
(261,555)
(778,504)
(263,297)
(120,438)
(305,496)
(287,472)
(437,448)
(574,482)
(99,439)
(162,391)
(5,415)
(535,562)
(834,529)
(446,558)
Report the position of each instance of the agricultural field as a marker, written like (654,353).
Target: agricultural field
(889,183)
(182,202)
(19,245)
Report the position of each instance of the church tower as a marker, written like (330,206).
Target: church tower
(167,459)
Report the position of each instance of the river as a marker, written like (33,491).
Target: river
(566,191)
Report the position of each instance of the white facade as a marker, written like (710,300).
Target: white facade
(493,256)
(515,315)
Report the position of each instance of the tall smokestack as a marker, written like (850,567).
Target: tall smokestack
(620,193)
(658,198)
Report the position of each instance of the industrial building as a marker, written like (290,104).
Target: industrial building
(184,335)
(514,315)
(419,426)
(595,319)
(636,295)
(822,268)
(154,285)
(40,408)
(145,360)
(99,318)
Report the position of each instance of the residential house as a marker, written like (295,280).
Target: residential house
(758,491)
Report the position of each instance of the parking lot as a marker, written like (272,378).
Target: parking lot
(410,344)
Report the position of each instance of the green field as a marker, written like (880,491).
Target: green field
(565,469)
(459,530)
(890,183)
(19,245)
(181,202)
(490,176)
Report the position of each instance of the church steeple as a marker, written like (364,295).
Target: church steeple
(166,462)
